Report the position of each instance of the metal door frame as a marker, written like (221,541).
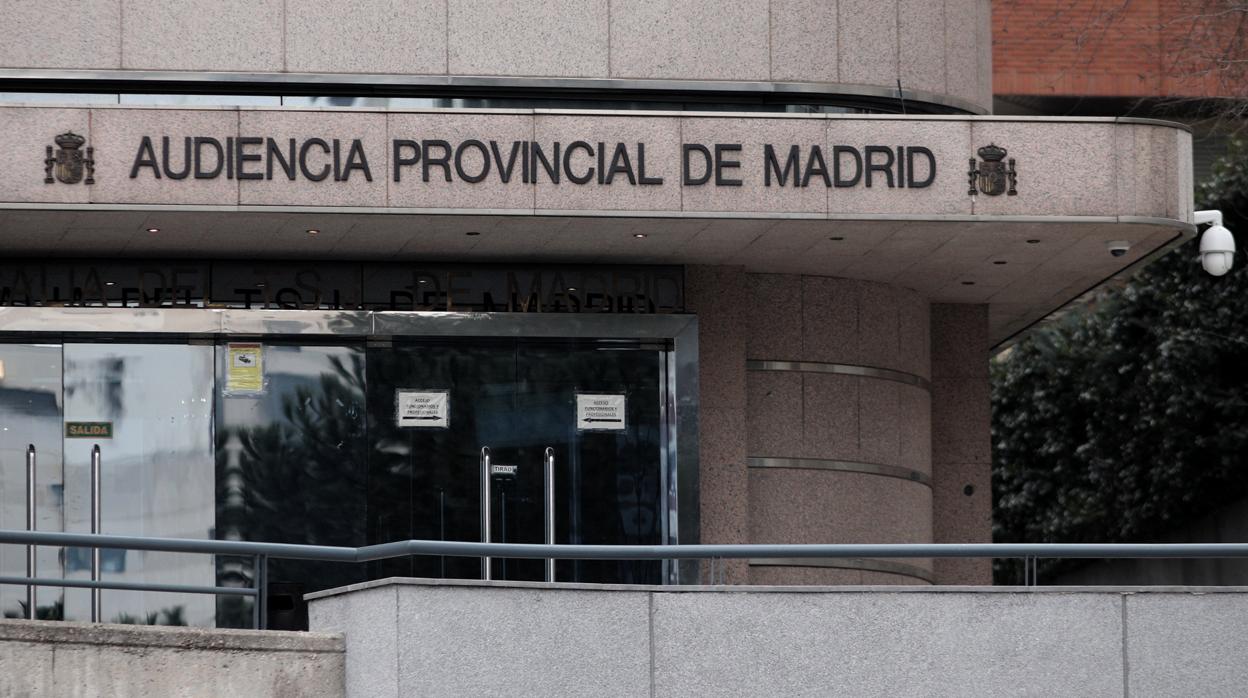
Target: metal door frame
(679,392)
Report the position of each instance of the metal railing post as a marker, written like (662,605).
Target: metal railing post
(95,528)
(30,526)
(442,527)
(485,509)
(262,597)
(548,488)
(255,601)
(1031,571)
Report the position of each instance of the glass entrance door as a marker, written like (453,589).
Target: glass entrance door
(316,453)
(148,409)
(517,399)
(30,416)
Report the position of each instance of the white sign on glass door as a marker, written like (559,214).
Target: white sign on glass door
(599,412)
(422,409)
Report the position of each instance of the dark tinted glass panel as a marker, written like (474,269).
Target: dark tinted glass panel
(291,469)
(517,399)
(425,482)
(608,483)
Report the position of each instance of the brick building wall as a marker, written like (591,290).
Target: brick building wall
(1119,48)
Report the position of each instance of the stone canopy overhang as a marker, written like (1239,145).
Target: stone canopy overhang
(773,193)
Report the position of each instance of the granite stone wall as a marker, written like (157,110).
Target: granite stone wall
(718,295)
(840,411)
(838,425)
(937,48)
(961,438)
(53,658)
(422,637)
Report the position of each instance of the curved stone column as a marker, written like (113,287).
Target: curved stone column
(838,415)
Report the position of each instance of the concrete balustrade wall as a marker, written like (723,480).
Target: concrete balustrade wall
(421,637)
(52,658)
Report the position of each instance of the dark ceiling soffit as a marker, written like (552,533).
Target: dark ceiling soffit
(1125,273)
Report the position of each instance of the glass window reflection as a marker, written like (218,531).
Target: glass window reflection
(156,473)
(440,102)
(193,100)
(30,414)
(313,454)
(290,468)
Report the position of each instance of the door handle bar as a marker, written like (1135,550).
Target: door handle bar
(548,489)
(548,510)
(485,508)
(95,528)
(30,526)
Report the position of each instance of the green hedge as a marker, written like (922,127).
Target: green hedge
(1129,418)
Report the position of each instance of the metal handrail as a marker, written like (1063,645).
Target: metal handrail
(564,551)
(1029,552)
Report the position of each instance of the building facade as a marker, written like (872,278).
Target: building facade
(350,273)
(1180,60)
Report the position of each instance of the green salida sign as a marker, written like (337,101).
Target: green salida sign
(88,430)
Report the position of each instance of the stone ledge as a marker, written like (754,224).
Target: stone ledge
(183,638)
(761,589)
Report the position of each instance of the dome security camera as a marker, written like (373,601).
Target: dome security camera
(1217,245)
(1118,248)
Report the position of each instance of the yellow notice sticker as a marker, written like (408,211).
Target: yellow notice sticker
(244,368)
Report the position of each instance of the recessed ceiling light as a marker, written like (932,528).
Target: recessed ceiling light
(571,288)
(1033,242)
(109,283)
(260,285)
(153,230)
(472,233)
(422,281)
(639,235)
(313,231)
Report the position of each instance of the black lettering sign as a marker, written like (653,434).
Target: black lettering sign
(146,157)
(704,154)
(580,162)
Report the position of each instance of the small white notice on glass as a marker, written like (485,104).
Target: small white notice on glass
(422,409)
(599,412)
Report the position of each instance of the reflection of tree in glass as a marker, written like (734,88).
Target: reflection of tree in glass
(53,611)
(300,479)
(173,615)
(103,382)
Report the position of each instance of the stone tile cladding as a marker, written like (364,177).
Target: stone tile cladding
(961,442)
(834,417)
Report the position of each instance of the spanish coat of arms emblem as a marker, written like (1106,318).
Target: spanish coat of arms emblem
(69,162)
(995,175)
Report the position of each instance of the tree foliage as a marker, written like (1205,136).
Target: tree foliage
(1130,418)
